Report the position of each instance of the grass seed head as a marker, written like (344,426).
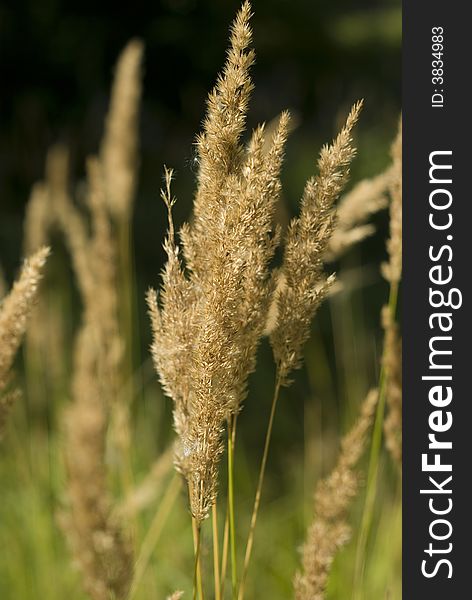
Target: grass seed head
(119,151)
(212,307)
(329,530)
(305,245)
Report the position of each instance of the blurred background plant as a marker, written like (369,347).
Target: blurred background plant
(57,60)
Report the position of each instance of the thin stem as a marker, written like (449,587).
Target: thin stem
(154,532)
(257,500)
(216,551)
(232,533)
(197,574)
(373,471)
(224,557)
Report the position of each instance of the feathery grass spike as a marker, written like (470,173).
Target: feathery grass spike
(90,524)
(392,363)
(333,496)
(392,270)
(210,317)
(304,282)
(354,208)
(119,151)
(14,312)
(95,538)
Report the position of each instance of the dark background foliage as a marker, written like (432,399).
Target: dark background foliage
(56,65)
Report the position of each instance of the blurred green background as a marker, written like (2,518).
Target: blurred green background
(314,58)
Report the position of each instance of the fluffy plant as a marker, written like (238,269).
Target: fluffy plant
(220,288)
(15,310)
(94,529)
(95,535)
(232,277)
(329,530)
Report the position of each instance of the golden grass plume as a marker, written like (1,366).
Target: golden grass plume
(99,546)
(95,535)
(91,522)
(211,317)
(392,352)
(306,241)
(329,530)
(15,310)
(119,150)
(354,208)
(392,270)
(46,332)
(392,363)
(216,291)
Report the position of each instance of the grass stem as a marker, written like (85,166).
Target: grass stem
(197,575)
(224,556)
(257,500)
(373,470)
(216,551)
(232,532)
(154,532)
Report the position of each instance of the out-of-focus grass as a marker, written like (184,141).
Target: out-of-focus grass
(342,363)
(36,564)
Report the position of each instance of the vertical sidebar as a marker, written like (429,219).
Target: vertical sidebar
(437,261)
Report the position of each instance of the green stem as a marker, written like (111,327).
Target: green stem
(197,575)
(373,470)
(232,532)
(224,557)
(257,500)
(154,532)
(216,551)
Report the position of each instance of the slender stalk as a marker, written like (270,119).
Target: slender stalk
(257,500)
(224,557)
(197,575)
(216,551)
(373,471)
(232,532)
(154,532)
